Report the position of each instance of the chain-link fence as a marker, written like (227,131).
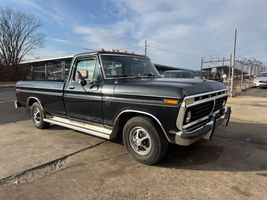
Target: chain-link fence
(242,74)
(54,71)
(47,70)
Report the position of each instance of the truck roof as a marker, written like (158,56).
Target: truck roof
(115,52)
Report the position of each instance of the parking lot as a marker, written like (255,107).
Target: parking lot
(59,163)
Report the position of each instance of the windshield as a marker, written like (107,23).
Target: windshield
(262,75)
(128,66)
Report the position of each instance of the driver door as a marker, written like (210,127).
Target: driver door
(85,102)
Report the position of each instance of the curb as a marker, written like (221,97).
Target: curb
(7,85)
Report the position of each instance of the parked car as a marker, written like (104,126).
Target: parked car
(178,74)
(108,94)
(216,76)
(260,80)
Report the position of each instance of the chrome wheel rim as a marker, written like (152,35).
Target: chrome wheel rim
(36,115)
(140,141)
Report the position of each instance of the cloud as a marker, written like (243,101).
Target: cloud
(46,53)
(117,35)
(181,32)
(49,11)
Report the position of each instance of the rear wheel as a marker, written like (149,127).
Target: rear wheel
(144,140)
(37,115)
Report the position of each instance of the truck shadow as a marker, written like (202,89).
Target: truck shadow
(239,147)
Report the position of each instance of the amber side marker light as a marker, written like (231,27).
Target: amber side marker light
(171,101)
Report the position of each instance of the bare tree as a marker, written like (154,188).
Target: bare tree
(19,34)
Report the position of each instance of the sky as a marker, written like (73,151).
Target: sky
(178,33)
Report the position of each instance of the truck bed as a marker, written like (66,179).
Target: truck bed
(49,93)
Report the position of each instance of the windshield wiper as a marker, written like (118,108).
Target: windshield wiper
(149,75)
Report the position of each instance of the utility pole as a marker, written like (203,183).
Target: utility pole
(145,47)
(233,65)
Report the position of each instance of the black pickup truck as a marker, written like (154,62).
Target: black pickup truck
(110,94)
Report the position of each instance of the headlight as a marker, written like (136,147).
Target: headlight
(188,117)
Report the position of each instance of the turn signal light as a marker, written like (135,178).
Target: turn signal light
(171,101)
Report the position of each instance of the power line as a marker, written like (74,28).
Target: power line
(173,52)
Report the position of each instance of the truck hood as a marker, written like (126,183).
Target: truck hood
(166,87)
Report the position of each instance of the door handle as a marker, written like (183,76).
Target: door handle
(71,87)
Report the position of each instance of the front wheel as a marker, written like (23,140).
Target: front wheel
(144,140)
(37,115)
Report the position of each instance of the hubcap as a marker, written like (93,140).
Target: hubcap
(36,115)
(140,141)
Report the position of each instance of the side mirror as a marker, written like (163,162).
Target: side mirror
(83,82)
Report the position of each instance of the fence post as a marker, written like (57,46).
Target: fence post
(251,68)
(242,76)
(222,71)
(46,72)
(63,65)
(229,73)
(32,72)
(201,67)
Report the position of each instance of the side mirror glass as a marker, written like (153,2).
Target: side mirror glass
(83,82)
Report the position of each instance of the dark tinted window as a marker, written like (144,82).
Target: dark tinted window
(262,75)
(178,74)
(188,75)
(170,75)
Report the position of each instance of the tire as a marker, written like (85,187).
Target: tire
(144,141)
(37,115)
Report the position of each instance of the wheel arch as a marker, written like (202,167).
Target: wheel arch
(31,100)
(125,115)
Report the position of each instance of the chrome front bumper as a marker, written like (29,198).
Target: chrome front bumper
(190,135)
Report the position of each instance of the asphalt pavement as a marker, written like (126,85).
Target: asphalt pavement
(8,113)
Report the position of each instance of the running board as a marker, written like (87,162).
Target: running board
(92,129)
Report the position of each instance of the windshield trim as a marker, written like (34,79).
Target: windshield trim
(121,77)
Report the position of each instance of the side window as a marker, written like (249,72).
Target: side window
(88,70)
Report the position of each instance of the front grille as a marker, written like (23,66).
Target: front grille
(219,103)
(200,110)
